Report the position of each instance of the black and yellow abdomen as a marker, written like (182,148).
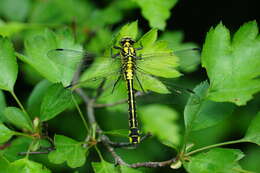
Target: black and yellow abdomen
(128,58)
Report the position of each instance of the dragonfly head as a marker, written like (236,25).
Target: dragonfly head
(127,41)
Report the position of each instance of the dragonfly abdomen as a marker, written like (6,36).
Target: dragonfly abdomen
(134,136)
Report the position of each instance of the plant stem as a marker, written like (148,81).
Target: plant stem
(214,145)
(80,113)
(23,134)
(18,102)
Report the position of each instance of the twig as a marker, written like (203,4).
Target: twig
(37,152)
(154,164)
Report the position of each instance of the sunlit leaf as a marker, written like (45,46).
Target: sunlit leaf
(156,12)
(232,64)
(53,68)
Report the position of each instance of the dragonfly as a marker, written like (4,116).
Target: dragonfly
(139,71)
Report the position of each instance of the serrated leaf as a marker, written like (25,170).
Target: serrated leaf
(128,30)
(18,118)
(156,12)
(68,150)
(8,65)
(253,132)
(206,113)
(56,100)
(161,62)
(232,64)
(2,106)
(5,133)
(216,160)
(27,166)
(35,99)
(55,69)
(164,127)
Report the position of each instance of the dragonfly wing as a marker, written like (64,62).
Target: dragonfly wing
(189,59)
(161,64)
(165,64)
(147,83)
(162,86)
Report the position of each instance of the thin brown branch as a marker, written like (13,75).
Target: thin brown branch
(153,164)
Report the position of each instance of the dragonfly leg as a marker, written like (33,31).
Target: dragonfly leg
(139,48)
(117,47)
(115,55)
(139,83)
(118,79)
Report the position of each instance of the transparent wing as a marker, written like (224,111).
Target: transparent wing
(165,64)
(146,82)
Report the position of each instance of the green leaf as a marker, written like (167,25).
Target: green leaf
(4,164)
(35,99)
(253,132)
(103,167)
(27,166)
(68,150)
(71,10)
(10,11)
(156,12)
(106,167)
(128,30)
(161,63)
(206,113)
(2,106)
(56,100)
(18,118)
(216,160)
(19,144)
(5,133)
(53,67)
(164,127)
(8,65)
(189,60)
(232,64)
